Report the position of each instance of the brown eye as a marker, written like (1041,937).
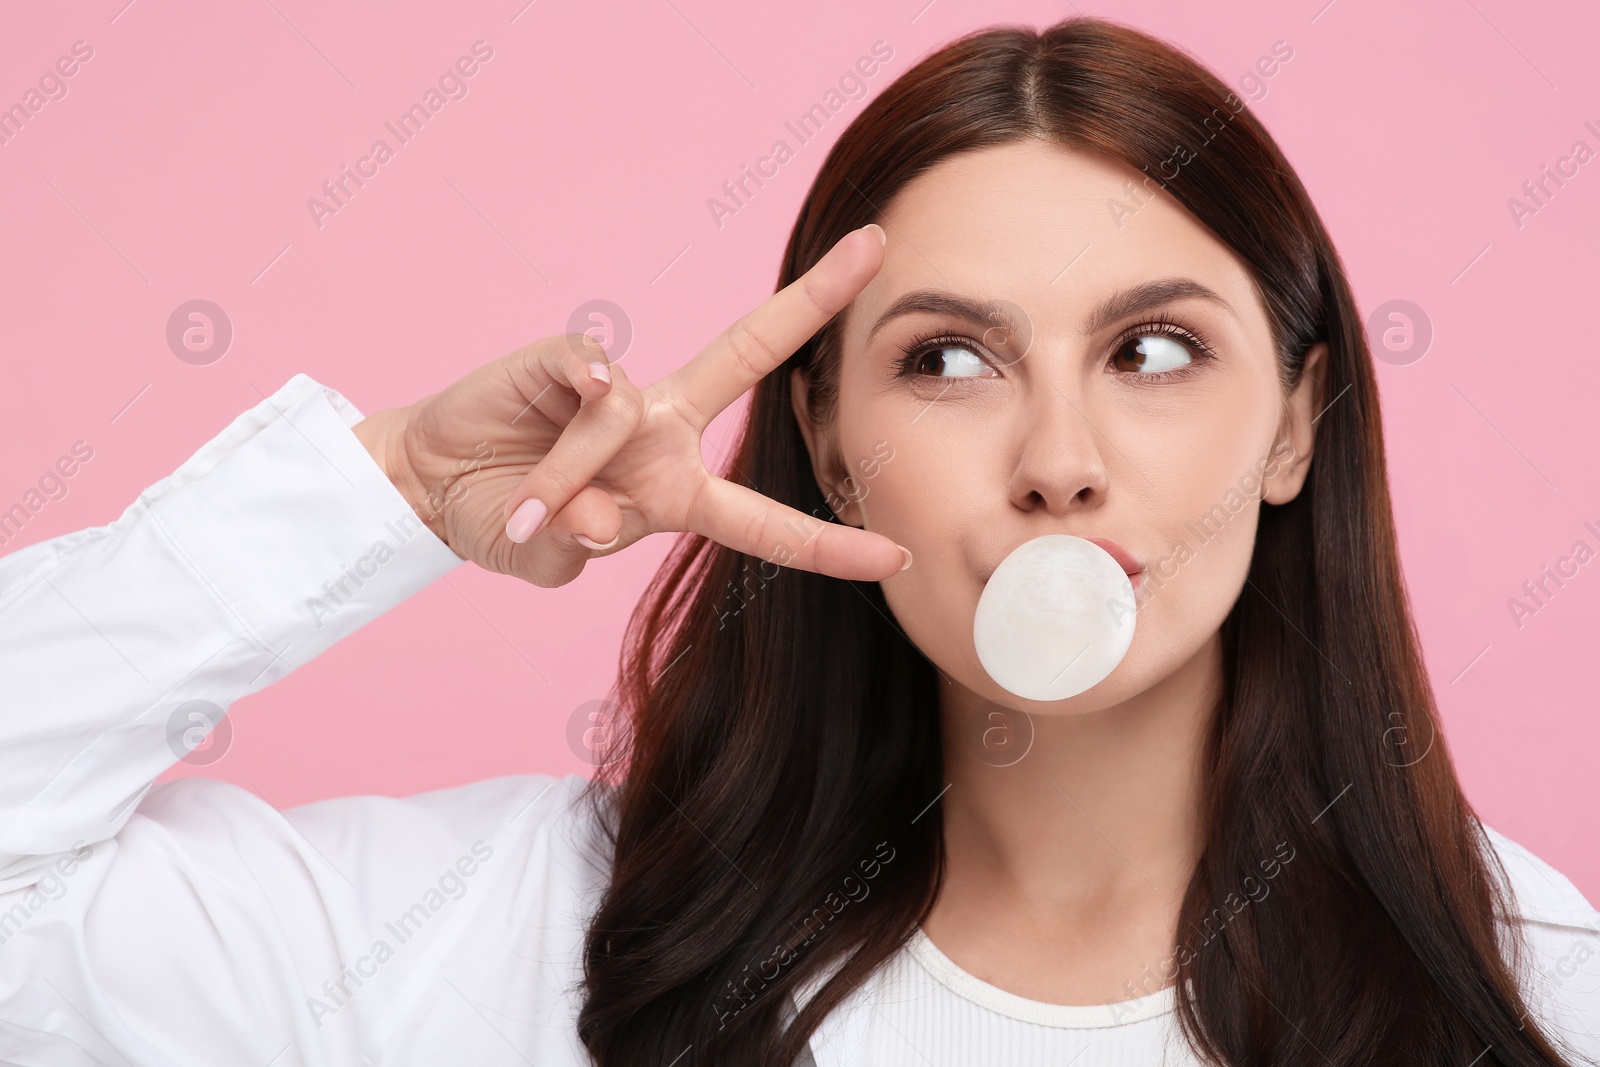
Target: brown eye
(943,358)
(953,361)
(1151,353)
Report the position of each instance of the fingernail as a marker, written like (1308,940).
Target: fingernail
(600,372)
(587,543)
(525,520)
(883,238)
(907,551)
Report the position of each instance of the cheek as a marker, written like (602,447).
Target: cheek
(1205,518)
(916,474)
(936,497)
(1199,488)
(925,497)
(1198,575)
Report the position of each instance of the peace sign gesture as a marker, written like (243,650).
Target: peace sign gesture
(539,461)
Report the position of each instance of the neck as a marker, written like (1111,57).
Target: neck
(1099,821)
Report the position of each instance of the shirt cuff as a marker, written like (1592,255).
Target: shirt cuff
(120,646)
(298,529)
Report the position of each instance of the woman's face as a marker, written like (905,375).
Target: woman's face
(1133,397)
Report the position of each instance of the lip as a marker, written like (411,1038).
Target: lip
(1130,566)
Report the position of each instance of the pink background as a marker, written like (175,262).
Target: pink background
(579,166)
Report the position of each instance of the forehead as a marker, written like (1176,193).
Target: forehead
(1050,228)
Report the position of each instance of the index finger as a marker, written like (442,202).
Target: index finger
(759,342)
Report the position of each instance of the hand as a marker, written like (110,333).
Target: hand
(521,461)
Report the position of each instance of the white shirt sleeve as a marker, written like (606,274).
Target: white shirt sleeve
(217,581)
(191,923)
(1560,929)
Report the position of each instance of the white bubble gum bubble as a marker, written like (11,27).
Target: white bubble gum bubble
(1055,618)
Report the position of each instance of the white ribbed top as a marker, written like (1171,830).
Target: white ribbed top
(931,1013)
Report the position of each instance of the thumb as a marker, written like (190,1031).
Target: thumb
(554,556)
(590,520)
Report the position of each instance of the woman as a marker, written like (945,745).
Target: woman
(1046,283)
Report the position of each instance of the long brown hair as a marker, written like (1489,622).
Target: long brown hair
(784,734)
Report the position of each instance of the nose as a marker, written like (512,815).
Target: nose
(1060,467)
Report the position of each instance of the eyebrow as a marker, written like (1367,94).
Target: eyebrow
(1118,306)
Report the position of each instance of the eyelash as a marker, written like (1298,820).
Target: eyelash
(917,347)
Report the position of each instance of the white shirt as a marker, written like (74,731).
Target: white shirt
(194,924)
(929,1012)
